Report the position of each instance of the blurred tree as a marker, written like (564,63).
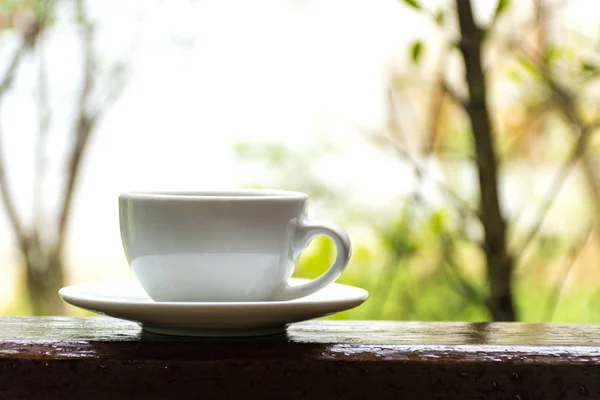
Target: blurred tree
(499,261)
(41,243)
(475,44)
(463,120)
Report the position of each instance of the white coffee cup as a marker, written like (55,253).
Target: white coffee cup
(218,246)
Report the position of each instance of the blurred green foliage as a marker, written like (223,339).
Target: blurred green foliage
(412,282)
(418,261)
(403,270)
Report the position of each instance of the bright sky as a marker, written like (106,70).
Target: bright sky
(205,74)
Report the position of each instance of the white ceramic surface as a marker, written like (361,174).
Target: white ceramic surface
(239,245)
(125,299)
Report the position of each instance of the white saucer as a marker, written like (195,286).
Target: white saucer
(125,299)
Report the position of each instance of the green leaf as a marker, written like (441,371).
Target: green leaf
(437,222)
(553,53)
(416,52)
(440,17)
(500,8)
(413,3)
(586,66)
(529,65)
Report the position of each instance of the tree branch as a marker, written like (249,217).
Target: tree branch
(84,123)
(590,174)
(465,287)
(5,196)
(566,101)
(436,103)
(393,125)
(383,284)
(557,289)
(11,71)
(499,263)
(421,171)
(42,136)
(547,202)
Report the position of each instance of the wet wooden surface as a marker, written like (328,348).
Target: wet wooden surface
(108,358)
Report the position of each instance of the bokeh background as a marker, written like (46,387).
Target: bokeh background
(363,104)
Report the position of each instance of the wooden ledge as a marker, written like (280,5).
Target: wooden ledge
(105,357)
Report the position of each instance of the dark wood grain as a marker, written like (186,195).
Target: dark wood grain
(109,358)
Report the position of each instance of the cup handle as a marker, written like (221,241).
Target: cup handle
(307,230)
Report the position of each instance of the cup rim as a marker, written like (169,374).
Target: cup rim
(217,195)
